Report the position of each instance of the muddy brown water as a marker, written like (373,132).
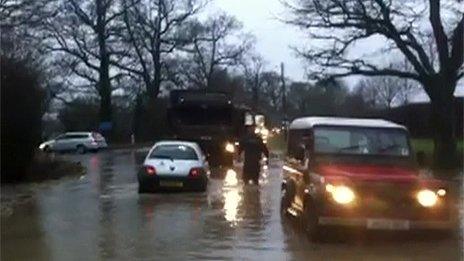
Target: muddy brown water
(100,216)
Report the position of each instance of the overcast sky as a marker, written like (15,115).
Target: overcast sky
(274,38)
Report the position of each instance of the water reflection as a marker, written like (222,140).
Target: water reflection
(231,202)
(22,229)
(232,197)
(108,219)
(231,178)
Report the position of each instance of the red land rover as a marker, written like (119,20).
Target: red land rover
(359,173)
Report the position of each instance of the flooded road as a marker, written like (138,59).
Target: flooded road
(100,216)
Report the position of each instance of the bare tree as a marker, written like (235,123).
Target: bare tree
(153,30)
(20,26)
(25,12)
(271,89)
(341,24)
(385,92)
(217,43)
(252,70)
(83,33)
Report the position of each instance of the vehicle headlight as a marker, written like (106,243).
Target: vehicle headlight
(230,147)
(264,132)
(427,198)
(341,194)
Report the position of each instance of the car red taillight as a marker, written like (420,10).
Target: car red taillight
(150,170)
(195,172)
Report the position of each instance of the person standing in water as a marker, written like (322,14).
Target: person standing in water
(253,147)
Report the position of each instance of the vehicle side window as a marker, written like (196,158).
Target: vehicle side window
(61,137)
(331,140)
(295,140)
(76,136)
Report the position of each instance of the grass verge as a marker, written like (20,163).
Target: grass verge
(47,167)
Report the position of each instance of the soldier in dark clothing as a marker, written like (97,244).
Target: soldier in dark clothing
(253,147)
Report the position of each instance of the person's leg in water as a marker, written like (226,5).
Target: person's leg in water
(251,173)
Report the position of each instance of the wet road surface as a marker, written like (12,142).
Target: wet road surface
(100,216)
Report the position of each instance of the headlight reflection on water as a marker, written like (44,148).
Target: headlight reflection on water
(231,196)
(232,199)
(231,178)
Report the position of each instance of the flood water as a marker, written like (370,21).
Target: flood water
(100,216)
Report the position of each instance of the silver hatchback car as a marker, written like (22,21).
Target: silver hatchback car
(80,142)
(174,165)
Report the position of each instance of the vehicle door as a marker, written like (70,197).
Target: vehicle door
(296,166)
(75,140)
(302,166)
(61,142)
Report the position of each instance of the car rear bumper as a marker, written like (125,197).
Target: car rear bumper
(160,183)
(97,146)
(405,224)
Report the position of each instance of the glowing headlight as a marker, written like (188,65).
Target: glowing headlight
(341,194)
(441,192)
(264,132)
(427,198)
(230,147)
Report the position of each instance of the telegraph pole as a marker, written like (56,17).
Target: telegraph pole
(284,92)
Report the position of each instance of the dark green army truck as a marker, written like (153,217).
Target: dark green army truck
(210,119)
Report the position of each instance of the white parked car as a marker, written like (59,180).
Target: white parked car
(174,165)
(80,142)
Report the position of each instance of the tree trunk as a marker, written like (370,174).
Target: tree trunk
(105,92)
(104,84)
(443,124)
(137,118)
(255,99)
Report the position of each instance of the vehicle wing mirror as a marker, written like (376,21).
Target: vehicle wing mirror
(420,156)
(300,152)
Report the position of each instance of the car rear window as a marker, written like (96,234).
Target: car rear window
(97,136)
(173,152)
(76,136)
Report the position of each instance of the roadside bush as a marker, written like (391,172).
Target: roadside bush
(151,122)
(21,117)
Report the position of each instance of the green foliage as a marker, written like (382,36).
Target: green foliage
(427,146)
(80,115)
(21,117)
(150,120)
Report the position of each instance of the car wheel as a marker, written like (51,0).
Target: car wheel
(47,149)
(309,221)
(80,149)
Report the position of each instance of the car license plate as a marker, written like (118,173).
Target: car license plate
(171,184)
(388,224)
